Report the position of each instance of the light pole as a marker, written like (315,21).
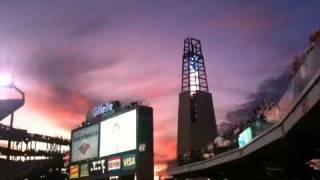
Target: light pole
(5,82)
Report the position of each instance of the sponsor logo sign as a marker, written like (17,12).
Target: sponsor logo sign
(98,167)
(103,108)
(84,170)
(74,171)
(114,163)
(129,162)
(85,143)
(84,148)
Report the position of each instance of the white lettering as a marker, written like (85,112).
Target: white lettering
(129,161)
(106,107)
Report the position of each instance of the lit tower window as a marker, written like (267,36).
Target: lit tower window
(194,76)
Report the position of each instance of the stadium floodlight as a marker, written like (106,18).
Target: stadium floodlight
(5,80)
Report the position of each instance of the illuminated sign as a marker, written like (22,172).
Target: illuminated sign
(118,134)
(98,166)
(245,137)
(85,143)
(113,177)
(103,108)
(74,171)
(114,163)
(84,170)
(129,162)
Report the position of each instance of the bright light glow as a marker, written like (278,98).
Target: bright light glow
(118,134)
(5,80)
(194,74)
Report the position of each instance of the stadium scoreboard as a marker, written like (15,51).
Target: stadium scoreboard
(117,147)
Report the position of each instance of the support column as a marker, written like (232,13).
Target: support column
(9,142)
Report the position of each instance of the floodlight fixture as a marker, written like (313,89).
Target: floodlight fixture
(5,80)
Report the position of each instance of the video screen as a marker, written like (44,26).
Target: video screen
(85,143)
(245,137)
(118,134)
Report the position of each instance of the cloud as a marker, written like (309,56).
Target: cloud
(72,56)
(63,65)
(67,108)
(271,88)
(90,28)
(165,149)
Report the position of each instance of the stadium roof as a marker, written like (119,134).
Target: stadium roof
(8,106)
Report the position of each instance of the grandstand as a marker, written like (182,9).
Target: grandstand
(8,106)
(25,155)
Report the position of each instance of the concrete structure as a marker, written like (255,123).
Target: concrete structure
(196,118)
(283,150)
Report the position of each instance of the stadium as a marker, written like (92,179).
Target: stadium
(68,109)
(27,155)
(113,142)
(277,142)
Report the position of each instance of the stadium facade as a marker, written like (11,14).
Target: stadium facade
(25,155)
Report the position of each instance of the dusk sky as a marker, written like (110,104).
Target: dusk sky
(70,55)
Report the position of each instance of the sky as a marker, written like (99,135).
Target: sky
(70,55)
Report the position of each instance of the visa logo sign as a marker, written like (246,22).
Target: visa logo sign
(129,162)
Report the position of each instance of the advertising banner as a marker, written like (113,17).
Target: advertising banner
(74,171)
(129,162)
(97,167)
(85,143)
(114,163)
(84,170)
(118,134)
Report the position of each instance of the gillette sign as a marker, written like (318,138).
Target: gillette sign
(85,143)
(107,107)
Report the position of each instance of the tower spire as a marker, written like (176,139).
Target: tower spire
(194,77)
(196,118)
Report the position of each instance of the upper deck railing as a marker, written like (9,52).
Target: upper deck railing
(308,69)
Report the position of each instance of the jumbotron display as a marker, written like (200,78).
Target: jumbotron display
(114,144)
(118,134)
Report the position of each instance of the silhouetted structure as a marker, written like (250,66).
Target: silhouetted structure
(94,154)
(24,158)
(280,144)
(196,118)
